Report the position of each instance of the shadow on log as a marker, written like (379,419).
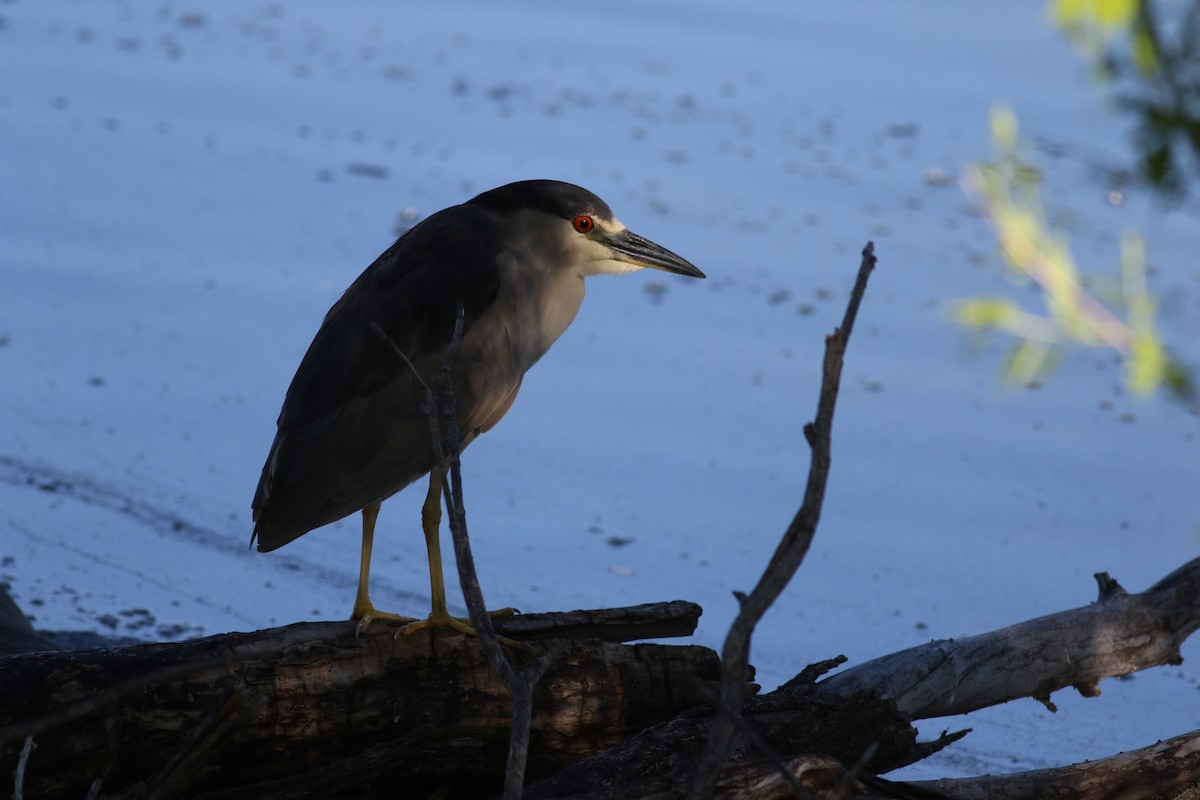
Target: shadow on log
(310,709)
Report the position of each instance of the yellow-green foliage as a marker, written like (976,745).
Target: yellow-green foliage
(1093,25)
(1008,193)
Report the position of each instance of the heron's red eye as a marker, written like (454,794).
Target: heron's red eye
(583,223)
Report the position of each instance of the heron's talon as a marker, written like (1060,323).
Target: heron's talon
(366,614)
(453,623)
(463,626)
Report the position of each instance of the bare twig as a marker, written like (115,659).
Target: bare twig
(757,742)
(788,555)
(520,684)
(19,777)
(854,772)
(448,450)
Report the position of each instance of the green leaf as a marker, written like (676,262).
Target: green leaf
(986,313)
(1109,16)
(1147,363)
(1115,15)
(1069,12)
(1004,129)
(1026,363)
(1145,54)
(1158,167)
(1147,358)
(1180,382)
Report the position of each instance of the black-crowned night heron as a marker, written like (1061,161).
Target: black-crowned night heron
(353,430)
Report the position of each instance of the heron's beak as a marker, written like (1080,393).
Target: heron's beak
(629,247)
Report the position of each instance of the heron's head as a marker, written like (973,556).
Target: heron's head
(568,226)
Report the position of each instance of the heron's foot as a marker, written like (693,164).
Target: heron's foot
(442,619)
(366,613)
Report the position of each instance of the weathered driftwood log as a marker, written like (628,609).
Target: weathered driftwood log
(1164,771)
(311,708)
(1119,634)
(821,777)
(787,722)
(1168,770)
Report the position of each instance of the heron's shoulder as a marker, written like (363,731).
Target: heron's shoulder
(411,293)
(455,246)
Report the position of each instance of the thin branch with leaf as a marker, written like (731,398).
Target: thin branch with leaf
(1007,192)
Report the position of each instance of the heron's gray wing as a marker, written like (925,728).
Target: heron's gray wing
(352,430)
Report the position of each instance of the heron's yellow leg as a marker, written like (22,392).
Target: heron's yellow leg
(431,521)
(364,611)
(439,614)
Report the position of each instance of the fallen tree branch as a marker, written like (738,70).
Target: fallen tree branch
(841,715)
(316,697)
(791,723)
(1118,634)
(798,778)
(649,621)
(1168,770)
(350,710)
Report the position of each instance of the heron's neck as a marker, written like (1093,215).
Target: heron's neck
(541,302)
